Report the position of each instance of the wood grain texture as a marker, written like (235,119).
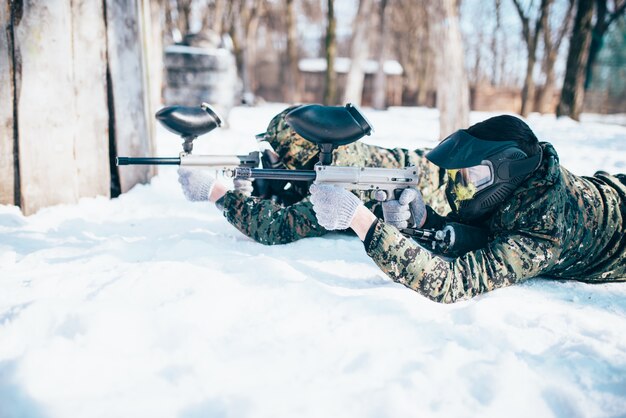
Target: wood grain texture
(127,66)
(46,105)
(91,145)
(7,169)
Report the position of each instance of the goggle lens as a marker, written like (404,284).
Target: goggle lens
(468,181)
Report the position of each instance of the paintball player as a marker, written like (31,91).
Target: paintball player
(537,218)
(280,212)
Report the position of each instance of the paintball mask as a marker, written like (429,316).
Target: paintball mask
(481,173)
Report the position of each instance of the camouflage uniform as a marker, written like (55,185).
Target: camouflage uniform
(556,224)
(270,223)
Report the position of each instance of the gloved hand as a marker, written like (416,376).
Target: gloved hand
(334,207)
(243,186)
(398,212)
(196,184)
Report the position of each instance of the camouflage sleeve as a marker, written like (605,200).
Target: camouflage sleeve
(508,259)
(270,223)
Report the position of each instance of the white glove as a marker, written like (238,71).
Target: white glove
(196,184)
(398,212)
(243,186)
(334,207)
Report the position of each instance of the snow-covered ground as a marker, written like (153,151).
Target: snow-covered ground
(151,306)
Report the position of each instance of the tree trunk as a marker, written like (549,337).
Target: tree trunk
(452,86)
(292,76)
(9,193)
(528,91)
(495,46)
(546,95)
(573,91)
(379,101)
(551,50)
(330,88)
(359,51)
(531,39)
(604,19)
(250,51)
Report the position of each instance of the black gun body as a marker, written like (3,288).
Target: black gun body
(147,161)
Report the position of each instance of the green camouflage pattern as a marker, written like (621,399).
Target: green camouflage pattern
(556,224)
(270,223)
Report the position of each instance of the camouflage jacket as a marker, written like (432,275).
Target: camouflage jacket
(556,224)
(270,223)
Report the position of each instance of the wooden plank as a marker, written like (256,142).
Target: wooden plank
(46,104)
(7,169)
(129,88)
(92,116)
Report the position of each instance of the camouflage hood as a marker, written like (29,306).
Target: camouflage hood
(531,208)
(295,152)
(582,217)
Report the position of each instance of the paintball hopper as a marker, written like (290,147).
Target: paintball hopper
(329,126)
(189,122)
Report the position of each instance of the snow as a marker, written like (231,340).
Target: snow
(192,50)
(342,65)
(151,306)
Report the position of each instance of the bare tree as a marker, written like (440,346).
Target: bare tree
(551,47)
(359,52)
(495,46)
(410,28)
(182,11)
(379,101)
(292,93)
(573,91)
(213,16)
(531,38)
(452,86)
(330,88)
(245,16)
(604,19)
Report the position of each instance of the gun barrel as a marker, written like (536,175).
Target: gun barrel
(147,161)
(271,174)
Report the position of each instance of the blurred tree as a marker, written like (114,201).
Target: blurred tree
(244,18)
(551,46)
(292,75)
(330,88)
(573,92)
(379,101)
(494,44)
(409,29)
(215,12)
(451,77)
(604,19)
(359,52)
(531,39)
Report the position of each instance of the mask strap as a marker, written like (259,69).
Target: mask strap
(520,167)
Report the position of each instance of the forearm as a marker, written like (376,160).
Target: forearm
(362,221)
(269,223)
(503,262)
(219,190)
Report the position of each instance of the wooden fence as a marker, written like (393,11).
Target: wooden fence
(74,91)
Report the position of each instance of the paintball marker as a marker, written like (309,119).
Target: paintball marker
(330,127)
(189,123)
(326,126)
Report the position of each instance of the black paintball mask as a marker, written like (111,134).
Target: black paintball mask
(481,174)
